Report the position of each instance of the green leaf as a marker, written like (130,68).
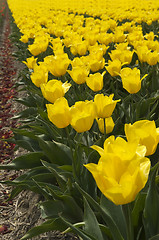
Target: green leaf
(27,161)
(91,223)
(106,217)
(15,192)
(64,205)
(138,208)
(156,237)
(33,172)
(50,225)
(115,212)
(28,102)
(25,144)
(32,111)
(105,232)
(60,179)
(43,190)
(76,230)
(56,152)
(151,216)
(51,208)
(44,177)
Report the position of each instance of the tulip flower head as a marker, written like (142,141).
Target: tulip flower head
(122,170)
(131,79)
(59,113)
(152,58)
(40,75)
(145,132)
(30,62)
(54,89)
(104,105)
(109,123)
(79,74)
(82,116)
(114,67)
(58,64)
(95,81)
(95,64)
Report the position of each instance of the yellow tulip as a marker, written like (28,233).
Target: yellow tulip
(142,52)
(54,89)
(79,74)
(145,132)
(82,47)
(122,170)
(96,64)
(40,75)
(115,54)
(34,49)
(30,62)
(104,105)
(131,79)
(152,58)
(59,113)
(82,116)
(114,67)
(126,56)
(95,81)
(40,45)
(24,39)
(106,38)
(109,123)
(119,36)
(58,64)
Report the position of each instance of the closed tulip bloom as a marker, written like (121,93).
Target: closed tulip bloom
(114,67)
(145,132)
(40,45)
(126,56)
(82,47)
(95,64)
(106,38)
(58,64)
(79,74)
(30,62)
(108,122)
(95,81)
(104,105)
(34,49)
(54,89)
(24,39)
(59,113)
(131,79)
(119,36)
(121,172)
(115,54)
(82,116)
(40,75)
(152,58)
(142,52)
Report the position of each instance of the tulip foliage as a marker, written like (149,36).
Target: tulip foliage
(91,120)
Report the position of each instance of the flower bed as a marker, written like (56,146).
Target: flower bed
(91,123)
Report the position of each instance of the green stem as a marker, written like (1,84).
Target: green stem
(73,160)
(87,143)
(105,134)
(132,109)
(128,219)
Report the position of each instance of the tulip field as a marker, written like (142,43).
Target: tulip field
(91,120)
